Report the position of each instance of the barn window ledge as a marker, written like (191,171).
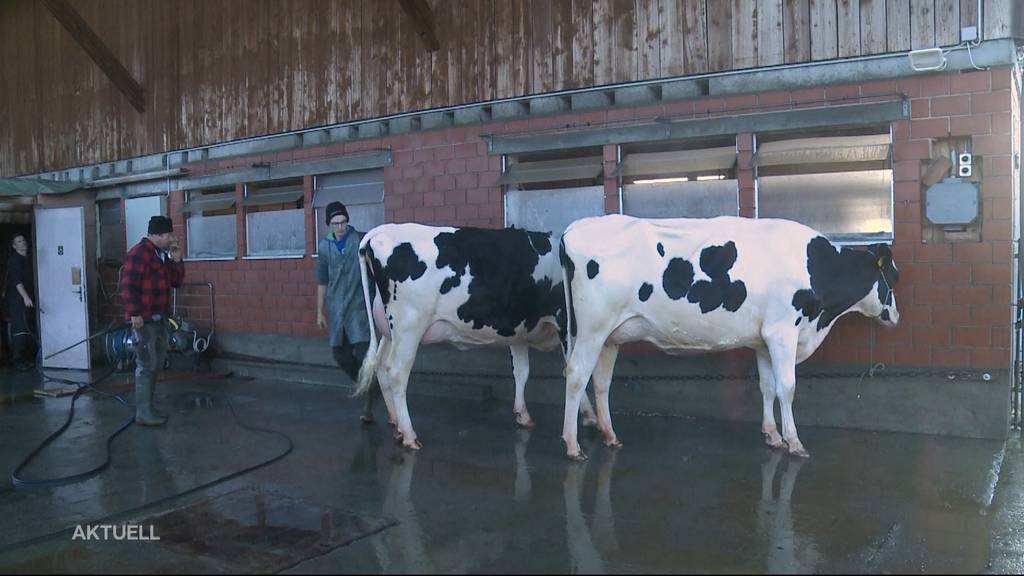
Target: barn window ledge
(211,259)
(277,257)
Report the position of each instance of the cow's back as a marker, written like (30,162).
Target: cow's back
(473,286)
(685,284)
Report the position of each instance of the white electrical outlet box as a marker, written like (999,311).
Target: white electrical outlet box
(968,33)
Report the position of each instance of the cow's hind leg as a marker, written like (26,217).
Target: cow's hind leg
(578,369)
(767,381)
(521,372)
(385,385)
(396,372)
(783,352)
(602,383)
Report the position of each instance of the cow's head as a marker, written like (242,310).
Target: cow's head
(882,300)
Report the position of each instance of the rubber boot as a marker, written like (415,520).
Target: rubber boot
(144,414)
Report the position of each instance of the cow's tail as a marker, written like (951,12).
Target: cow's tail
(563,258)
(368,370)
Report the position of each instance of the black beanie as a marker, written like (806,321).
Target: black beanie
(335,208)
(160,225)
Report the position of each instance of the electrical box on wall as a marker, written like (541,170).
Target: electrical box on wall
(952,202)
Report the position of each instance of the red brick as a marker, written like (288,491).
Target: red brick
(745,142)
(970,125)
(424,214)
(456,166)
(972,252)
(906,170)
(972,295)
(931,295)
(907,231)
(970,82)
(466,181)
(1002,252)
(996,208)
(991,144)
(951,315)
(921,108)
(996,187)
(704,105)
(1002,122)
(951,274)
(444,152)
(900,130)
(741,103)
(423,185)
(454,197)
(912,150)
(989,274)
(997,166)
(446,182)
(466,150)
(1000,338)
(933,253)
(683,108)
(971,336)
(951,358)
(991,314)
(774,99)
(477,196)
(444,215)
(930,128)
(842,92)
(466,212)
(433,199)
(1002,294)
(434,168)
(990,358)
(479,164)
(908,212)
(996,230)
(934,85)
(991,102)
(907,191)
(955,105)
(912,356)
(931,336)
(879,87)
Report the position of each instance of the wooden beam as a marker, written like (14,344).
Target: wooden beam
(97,50)
(423,17)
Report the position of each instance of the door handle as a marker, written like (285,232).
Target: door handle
(80,292)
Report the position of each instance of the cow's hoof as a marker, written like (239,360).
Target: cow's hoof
(798,450)
(578,457)
(613,443)
(526,423)
(366,418)
(773,441)
(416,445)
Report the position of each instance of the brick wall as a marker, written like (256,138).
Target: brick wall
(954,298)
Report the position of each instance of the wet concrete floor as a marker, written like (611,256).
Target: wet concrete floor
(482,496)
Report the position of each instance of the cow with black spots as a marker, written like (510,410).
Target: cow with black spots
(467,287)
(704,285)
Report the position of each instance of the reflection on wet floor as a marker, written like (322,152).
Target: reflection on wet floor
(484,496)
(256,531)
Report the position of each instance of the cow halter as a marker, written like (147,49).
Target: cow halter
(881,272)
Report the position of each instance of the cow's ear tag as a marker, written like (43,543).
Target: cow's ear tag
(881,262)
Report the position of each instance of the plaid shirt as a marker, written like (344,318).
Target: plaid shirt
(147,280)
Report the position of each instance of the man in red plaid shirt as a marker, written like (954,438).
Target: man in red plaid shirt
(151,268)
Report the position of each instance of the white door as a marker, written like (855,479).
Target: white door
(63,302)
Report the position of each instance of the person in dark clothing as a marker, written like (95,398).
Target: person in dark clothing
(151,268)
(339,296)
(19,306)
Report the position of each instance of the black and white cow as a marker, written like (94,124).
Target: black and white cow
(699,285)
(464,286)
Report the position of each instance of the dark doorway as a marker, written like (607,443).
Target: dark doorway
(12,224)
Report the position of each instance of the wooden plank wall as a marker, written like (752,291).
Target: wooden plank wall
(216,71)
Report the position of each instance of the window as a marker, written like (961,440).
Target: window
(362,193)
(211,224)
(680,180)
(111,243)
(275,221)
(137,212)
(548,191)
(839,183)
